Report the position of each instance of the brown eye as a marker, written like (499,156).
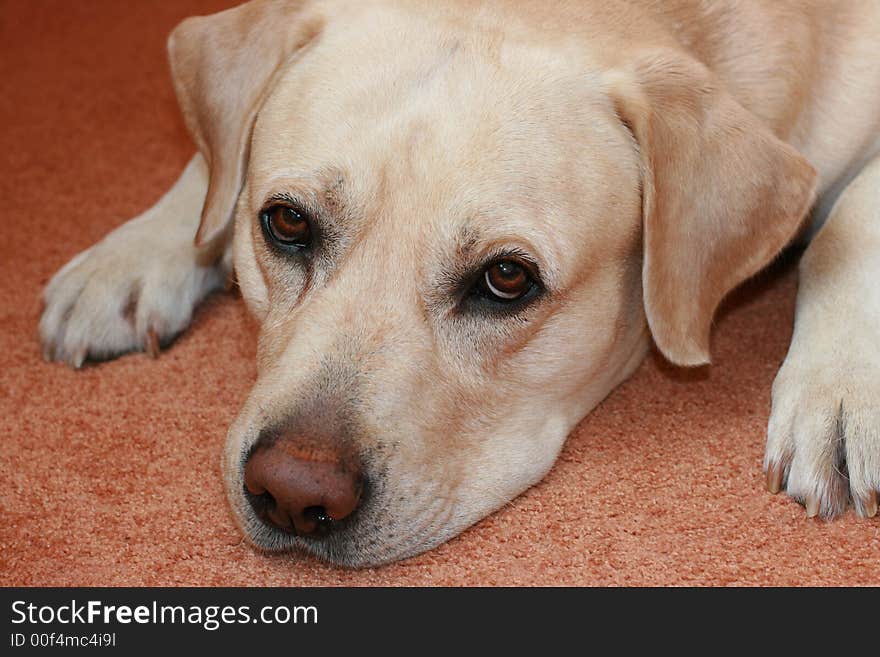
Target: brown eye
(287,225)
(507,281)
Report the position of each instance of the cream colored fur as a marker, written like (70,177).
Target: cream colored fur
(647,156)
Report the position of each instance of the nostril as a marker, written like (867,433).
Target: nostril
(267,510)
(321,519)
(262,503)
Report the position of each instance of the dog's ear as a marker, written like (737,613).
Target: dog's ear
(223,66)
(721,194)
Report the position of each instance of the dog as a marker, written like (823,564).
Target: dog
(462,224)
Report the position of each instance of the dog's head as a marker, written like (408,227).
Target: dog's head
(459,230)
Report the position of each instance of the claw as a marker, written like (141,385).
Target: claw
(151,343)
(812,505)
(79,357)
(868,507)
(774,477)
(231,280)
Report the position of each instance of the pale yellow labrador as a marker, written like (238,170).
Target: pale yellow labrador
(461,224)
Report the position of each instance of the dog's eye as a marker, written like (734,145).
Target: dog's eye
(506,281)
(287,225)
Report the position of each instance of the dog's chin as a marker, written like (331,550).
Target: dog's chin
(353,546)
(340,550)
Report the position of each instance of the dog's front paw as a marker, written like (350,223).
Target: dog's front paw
(823,445)
(134,290)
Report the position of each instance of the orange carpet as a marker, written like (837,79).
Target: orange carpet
(110,475)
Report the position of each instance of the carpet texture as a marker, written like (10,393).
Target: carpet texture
(110,475)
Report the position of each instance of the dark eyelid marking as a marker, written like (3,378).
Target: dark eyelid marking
(285,198)
(517,254)
(322,193)
(465,272)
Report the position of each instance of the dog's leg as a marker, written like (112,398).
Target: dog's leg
(137,288)
(824,433)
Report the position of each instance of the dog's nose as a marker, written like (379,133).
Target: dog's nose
(301,488)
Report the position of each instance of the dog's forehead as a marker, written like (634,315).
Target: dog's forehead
(475,132)
(389,72)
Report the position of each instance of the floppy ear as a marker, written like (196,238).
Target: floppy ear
(721,195)
(222,66)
